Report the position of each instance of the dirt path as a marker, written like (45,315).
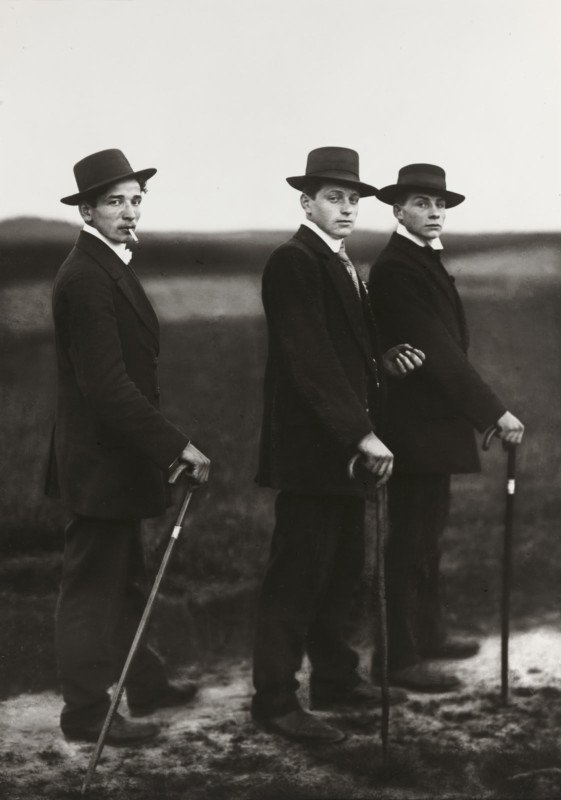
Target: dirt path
(458,745)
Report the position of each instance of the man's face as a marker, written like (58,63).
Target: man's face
(117,210)
(334,209)
(422,214)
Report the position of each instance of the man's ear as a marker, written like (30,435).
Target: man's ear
(305,203)
(85,211)
(398,212)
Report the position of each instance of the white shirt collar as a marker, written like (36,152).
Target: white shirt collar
(333,244)
(436,244)
(119,248)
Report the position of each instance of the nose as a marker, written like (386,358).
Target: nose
(129,211)
(346,208)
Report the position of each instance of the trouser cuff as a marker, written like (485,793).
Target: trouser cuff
(269,707)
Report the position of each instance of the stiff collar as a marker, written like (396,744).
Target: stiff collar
(333,244)
(435,244)
(119,248)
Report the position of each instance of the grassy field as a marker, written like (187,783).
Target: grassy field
(211,373)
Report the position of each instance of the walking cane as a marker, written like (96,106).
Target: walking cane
(381,537)
(117,694)
(381,499)
(507,555)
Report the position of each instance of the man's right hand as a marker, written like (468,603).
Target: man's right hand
(376,457)
(199,464)
(510,429)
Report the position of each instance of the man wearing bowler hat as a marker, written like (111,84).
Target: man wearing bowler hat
(322,401)
(430,422)
(110,455)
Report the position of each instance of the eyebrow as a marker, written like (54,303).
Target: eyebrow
(342,191)
(121,196)
(428,197)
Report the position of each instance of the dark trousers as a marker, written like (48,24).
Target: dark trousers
(102,596)
(316,561)
(418,510)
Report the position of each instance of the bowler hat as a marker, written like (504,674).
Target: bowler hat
(337,164)
(428,177)
(102,169)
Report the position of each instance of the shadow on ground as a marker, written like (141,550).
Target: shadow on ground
(462,745)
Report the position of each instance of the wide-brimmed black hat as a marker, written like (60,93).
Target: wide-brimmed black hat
(102,169)
(428,177)
(337,164)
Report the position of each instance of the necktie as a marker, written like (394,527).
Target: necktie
(349,266)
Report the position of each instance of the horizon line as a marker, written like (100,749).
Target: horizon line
(248,231)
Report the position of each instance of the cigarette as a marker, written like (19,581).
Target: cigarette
(134,237)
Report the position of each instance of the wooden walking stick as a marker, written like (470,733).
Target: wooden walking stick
(507,555)
(117,694)
(381,537)
(380,497)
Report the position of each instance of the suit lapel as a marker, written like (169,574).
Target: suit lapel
(344,288)
(124,277)
(438,276)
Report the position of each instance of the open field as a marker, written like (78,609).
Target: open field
(460,746)
(34,248)
(211,372)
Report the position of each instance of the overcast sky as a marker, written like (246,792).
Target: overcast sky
(226,98)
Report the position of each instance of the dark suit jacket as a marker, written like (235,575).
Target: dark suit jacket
(111,446)
(320,382)
(432,413)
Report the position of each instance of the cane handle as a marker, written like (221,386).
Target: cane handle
(180,468)
(494,431)
(489,433)
(351,465)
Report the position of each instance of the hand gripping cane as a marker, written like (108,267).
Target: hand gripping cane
(381,499)
(117,694)
(507,555)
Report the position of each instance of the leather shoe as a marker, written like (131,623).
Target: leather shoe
(424,678)
(176,693)
(121,733)
(454,647)
(300,726)
(360,694)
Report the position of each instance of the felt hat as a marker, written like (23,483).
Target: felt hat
(102,169)
(337,164)
(427,177)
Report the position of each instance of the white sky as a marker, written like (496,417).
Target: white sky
(226,98)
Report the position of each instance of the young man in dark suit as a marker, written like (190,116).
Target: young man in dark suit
(430,421)
(322,399)
(111,452)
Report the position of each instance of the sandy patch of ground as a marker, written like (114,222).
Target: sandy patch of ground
(462,745)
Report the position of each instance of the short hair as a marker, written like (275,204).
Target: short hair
(92,197)
(402,196)
(311,186)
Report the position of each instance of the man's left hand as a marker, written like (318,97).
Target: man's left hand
(402,359)
(510,429)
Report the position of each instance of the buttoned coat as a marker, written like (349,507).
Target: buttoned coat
(321,395)
(432,412)
(111,445)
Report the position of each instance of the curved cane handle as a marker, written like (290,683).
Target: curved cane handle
(351,465)
(178,470)
(492,431)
